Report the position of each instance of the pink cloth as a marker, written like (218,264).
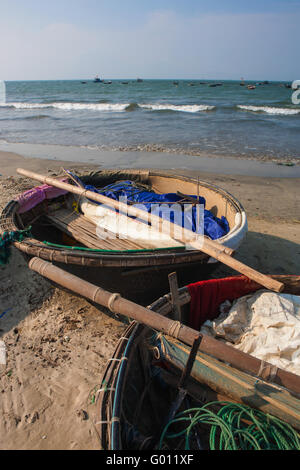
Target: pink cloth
(35,196)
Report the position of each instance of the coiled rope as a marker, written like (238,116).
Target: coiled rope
(233,427)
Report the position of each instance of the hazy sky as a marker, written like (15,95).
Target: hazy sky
(225,39)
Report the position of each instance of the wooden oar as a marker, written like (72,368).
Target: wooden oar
(118,305)
(197,242)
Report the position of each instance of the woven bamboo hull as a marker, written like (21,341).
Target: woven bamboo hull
(142,285)
(128,422)
(132,273)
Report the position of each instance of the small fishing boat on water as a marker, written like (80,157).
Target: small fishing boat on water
(63,229)
(97,79)
(162,393)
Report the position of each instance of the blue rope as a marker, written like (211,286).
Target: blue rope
(4,313)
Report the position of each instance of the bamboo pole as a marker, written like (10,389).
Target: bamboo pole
(119,305)
(207,246)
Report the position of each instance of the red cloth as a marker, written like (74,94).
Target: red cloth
(207,296)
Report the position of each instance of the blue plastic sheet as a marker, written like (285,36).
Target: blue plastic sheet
(214,227)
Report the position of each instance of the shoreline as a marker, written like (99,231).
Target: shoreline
(208,163)
(264,196)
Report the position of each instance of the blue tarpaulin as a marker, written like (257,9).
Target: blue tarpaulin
(214,227)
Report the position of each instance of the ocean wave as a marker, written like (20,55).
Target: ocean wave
(70,106)
(270,110)
(114,107)
(121,107)
(28,118)
(36,117)
(193,108)
(132,107)
(25,105)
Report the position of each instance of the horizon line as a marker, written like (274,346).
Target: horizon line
(149,78)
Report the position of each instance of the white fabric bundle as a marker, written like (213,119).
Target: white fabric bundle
(265,325)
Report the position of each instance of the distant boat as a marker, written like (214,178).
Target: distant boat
(139,80)
(97,79)
(251,87)
(108,83)
(125,83)
(83,83)
(215,84)
(175,83)
(242,82)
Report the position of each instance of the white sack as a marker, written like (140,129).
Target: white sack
(265,325)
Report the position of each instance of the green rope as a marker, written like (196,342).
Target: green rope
(233,427)
(79,248)
(6,239)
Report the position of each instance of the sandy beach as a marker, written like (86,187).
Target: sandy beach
(58,344)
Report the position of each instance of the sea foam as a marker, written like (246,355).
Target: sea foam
(193,108)
(70,106)
(270,110)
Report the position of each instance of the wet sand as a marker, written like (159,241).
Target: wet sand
(226,165)
(58,344)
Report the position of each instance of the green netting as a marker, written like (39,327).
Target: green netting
(6,239)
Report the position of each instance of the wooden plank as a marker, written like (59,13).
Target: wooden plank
(84,230)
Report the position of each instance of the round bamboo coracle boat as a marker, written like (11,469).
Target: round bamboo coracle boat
(62,234)
(157,393)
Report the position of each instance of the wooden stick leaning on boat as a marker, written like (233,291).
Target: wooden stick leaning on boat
(158,322)
(207,246)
